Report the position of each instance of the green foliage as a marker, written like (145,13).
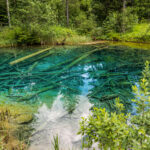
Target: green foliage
(102,8)
(108,130)
(36,35)
(117,130)
(116,21)
(141,120)
(143,103)
(97,32)
(19,36)
(54,34)
(139,33)
(142,8)
(7,37)
(56,143)
(3,13)
(85,25)
(33,21)
(32,13)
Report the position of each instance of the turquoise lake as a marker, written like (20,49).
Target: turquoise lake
(65,83)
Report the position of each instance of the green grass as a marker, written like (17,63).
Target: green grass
(55,143)
(139,33)
(78,39)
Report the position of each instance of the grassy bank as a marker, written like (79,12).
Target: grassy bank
(53,35)
(56,35)
(139,33)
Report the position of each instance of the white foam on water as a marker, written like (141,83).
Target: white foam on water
(57,121)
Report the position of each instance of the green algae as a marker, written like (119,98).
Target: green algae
(137,45)
(12,118)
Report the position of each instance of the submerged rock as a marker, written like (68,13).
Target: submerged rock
(11,119)
(24,119)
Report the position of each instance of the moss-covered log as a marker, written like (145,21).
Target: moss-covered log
(29,56)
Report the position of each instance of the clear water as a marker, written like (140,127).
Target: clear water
(65,89)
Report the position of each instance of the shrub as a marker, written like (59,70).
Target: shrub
(108,130)
(85,25)
(97,32)
(120,22)
(55,34)
(18,36)
(7,37)
(24,36)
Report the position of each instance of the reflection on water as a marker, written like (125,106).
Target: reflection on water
(56,120)
(65,89)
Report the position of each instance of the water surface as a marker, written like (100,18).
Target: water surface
(65,89)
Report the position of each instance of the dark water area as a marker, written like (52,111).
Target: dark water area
(66,84)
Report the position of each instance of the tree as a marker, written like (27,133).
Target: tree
(141,7)
(67,11)
(8,13)
(33,13)
(3,13)
(102,8)
(123,11)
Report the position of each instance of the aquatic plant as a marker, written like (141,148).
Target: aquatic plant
(55,142)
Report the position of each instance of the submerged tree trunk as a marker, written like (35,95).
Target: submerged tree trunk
(67,12)
(8,13)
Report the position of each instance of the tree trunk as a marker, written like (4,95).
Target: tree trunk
(8,13)
(123,11)
(67,12)
(124,4)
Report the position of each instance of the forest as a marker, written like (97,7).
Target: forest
(56,22)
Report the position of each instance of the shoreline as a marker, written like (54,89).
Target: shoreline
(109,42)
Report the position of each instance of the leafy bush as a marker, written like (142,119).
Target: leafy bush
(55,34)
(85,25)
(24,36)
(97,32)
(18,36)
(120,22)
(7,37)
(139,33)
(108,130)
(117,130)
